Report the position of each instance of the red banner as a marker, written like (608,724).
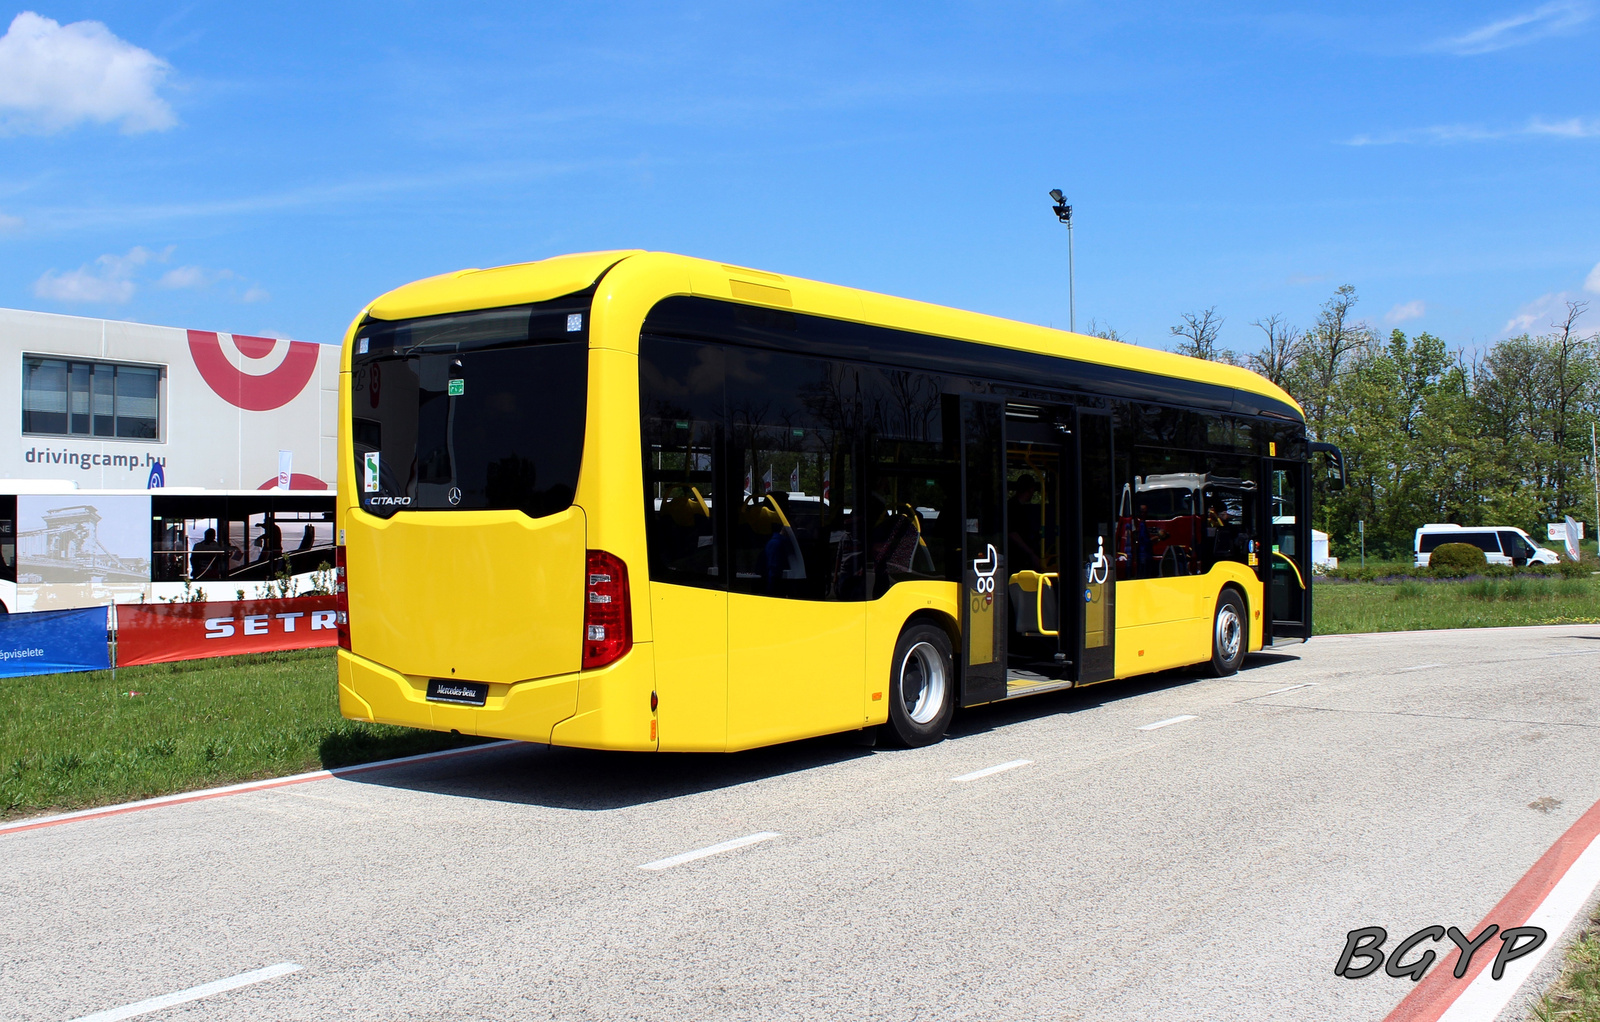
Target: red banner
(158,633)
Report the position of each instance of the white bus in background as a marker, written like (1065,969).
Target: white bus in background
(62,547)
(1501,544)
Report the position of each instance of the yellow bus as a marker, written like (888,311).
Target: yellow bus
(634,500)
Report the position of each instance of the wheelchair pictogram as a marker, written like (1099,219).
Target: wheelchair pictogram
(1099,565)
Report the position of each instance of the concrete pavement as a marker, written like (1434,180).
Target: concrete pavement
(1207,869)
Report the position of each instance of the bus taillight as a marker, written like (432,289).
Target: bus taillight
(607,617)
(341,598)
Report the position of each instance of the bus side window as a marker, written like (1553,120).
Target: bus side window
(8,539)
(792,526)
(912,510)
(682,425)
(169,548)
(1162,533)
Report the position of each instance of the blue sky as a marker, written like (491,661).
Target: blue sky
(269,168)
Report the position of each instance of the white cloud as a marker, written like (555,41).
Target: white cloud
(1433,133)
(1538,314)
(1518,30)
(1573,127)
(108,279)
(9,223)
(54,76)
(184,277)
(1591,283)
(192,278)
(116,278)
(1408,310)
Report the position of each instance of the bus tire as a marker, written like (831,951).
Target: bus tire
(1228,635)
(922,686)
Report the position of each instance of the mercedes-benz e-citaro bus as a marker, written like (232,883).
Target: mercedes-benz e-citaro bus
(632,500)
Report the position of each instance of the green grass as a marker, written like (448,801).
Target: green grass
(1575,997)
(68,741)
(1478,603)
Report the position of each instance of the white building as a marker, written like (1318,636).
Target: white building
(100,403)
(145,462)
(1319,551)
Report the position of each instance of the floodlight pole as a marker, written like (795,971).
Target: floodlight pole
(1063,213)
(1594,462)
(1072,290)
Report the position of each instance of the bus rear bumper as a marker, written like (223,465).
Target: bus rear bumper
(526,711)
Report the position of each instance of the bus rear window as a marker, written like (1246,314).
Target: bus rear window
(471,411)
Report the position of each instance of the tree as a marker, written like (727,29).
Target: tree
(1106,330)
(1431,435)
(1328,349)
(1199,333)
(1535,398)
(1280,356)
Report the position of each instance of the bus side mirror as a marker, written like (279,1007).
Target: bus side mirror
(1334,459)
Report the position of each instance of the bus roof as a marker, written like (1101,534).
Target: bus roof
(666,274)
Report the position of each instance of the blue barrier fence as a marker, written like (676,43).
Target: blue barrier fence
(53,642)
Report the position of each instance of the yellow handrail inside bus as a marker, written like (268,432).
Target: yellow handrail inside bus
(1298,577)
(781,516)
(1038,605)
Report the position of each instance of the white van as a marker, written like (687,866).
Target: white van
(1500,544)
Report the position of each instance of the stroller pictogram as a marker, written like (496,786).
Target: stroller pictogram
(985,567)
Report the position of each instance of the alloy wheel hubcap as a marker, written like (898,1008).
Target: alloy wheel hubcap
(922,683)
(1229,632)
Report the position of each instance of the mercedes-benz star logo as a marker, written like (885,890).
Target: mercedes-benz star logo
(455,495)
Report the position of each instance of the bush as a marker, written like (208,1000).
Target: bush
(1454,560)
(1575,569)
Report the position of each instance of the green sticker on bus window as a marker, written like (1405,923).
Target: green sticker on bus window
(457,387)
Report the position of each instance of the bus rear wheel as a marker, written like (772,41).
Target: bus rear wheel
(922,686)
(1228,635)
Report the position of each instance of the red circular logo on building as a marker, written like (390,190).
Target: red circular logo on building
(253,393)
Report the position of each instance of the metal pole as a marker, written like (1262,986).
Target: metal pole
(1362,525)
(1594,462)
(1063,212)
(1072,292)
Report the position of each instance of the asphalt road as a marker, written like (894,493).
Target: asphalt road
(1206,869)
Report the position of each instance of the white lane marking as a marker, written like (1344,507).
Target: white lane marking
(191,994)
(700,853)
(1291,688)
(1485,997)
(1169,720)
(1419,667)
(988,771)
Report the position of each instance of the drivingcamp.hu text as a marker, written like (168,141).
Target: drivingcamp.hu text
(86,461)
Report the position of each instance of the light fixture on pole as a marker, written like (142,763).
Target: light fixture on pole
(1063,213)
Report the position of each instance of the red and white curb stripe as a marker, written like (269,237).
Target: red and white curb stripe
(1549,895)
(37,822)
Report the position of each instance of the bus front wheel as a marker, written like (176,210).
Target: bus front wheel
(922,686)
(1228,635)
